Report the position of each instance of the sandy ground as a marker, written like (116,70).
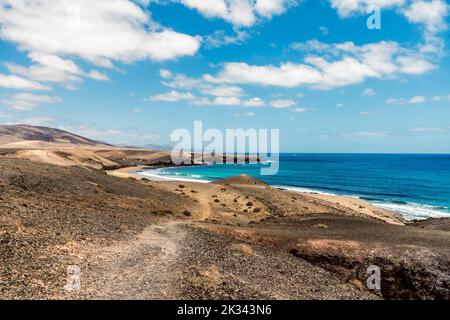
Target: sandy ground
(363,207)
(141,269)
(127,172)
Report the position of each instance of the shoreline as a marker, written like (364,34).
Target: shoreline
(348,202)
(409,212)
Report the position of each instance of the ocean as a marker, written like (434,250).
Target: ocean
(417,186)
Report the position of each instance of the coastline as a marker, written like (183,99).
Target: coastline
(409,211)
(126,172)
(347,202)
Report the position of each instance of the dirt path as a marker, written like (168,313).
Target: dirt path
(203,199)
(139,269)
(143,268)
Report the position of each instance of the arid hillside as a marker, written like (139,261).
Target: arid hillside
(25,136)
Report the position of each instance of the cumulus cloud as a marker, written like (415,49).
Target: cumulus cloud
(229,102)
(431,14)
(223,91)
(246,114)
(221,38)
(28,101)
(15,82)
(413,100)
(282,103)
(430,129)
(240,13)
(346,8)
(368,134)
(213,94)
(98,31)
(171,96)
(329,66)
(52,68)
(369,92)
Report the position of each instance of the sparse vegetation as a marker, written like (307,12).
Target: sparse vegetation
(187,213)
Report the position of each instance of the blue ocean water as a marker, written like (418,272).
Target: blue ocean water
(417,186)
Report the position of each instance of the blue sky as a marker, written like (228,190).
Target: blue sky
(131,72)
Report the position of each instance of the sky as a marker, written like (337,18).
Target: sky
(131,72)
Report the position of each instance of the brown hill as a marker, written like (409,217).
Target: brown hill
(242,180)
(26,136)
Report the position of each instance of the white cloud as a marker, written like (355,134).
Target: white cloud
(370,134)
(52,68)
(441,98)
(346,8)
(324,30)
(15,82)
(97,75)
(171,96)
(367,113)
(247,114)
(417,99)
(299,110)
(240,13)
(429,13)
(413,100)
(254,102)
(330,66)
(138,110)
(413,65)
(37,121)
(219,94)
(223,91)
(282,103)
(166,74)
(229,101)
(220,38)
(430,129)
(181,81)
(369,92)
(269,8)
(28,101)
(98,31)
(287,75)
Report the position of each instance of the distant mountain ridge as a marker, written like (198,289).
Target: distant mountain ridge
(21,135)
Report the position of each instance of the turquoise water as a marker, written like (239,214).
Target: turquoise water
(417,186)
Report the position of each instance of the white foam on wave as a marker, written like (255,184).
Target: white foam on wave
(158,175)
(303,190)
(414,211)
(410,211)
